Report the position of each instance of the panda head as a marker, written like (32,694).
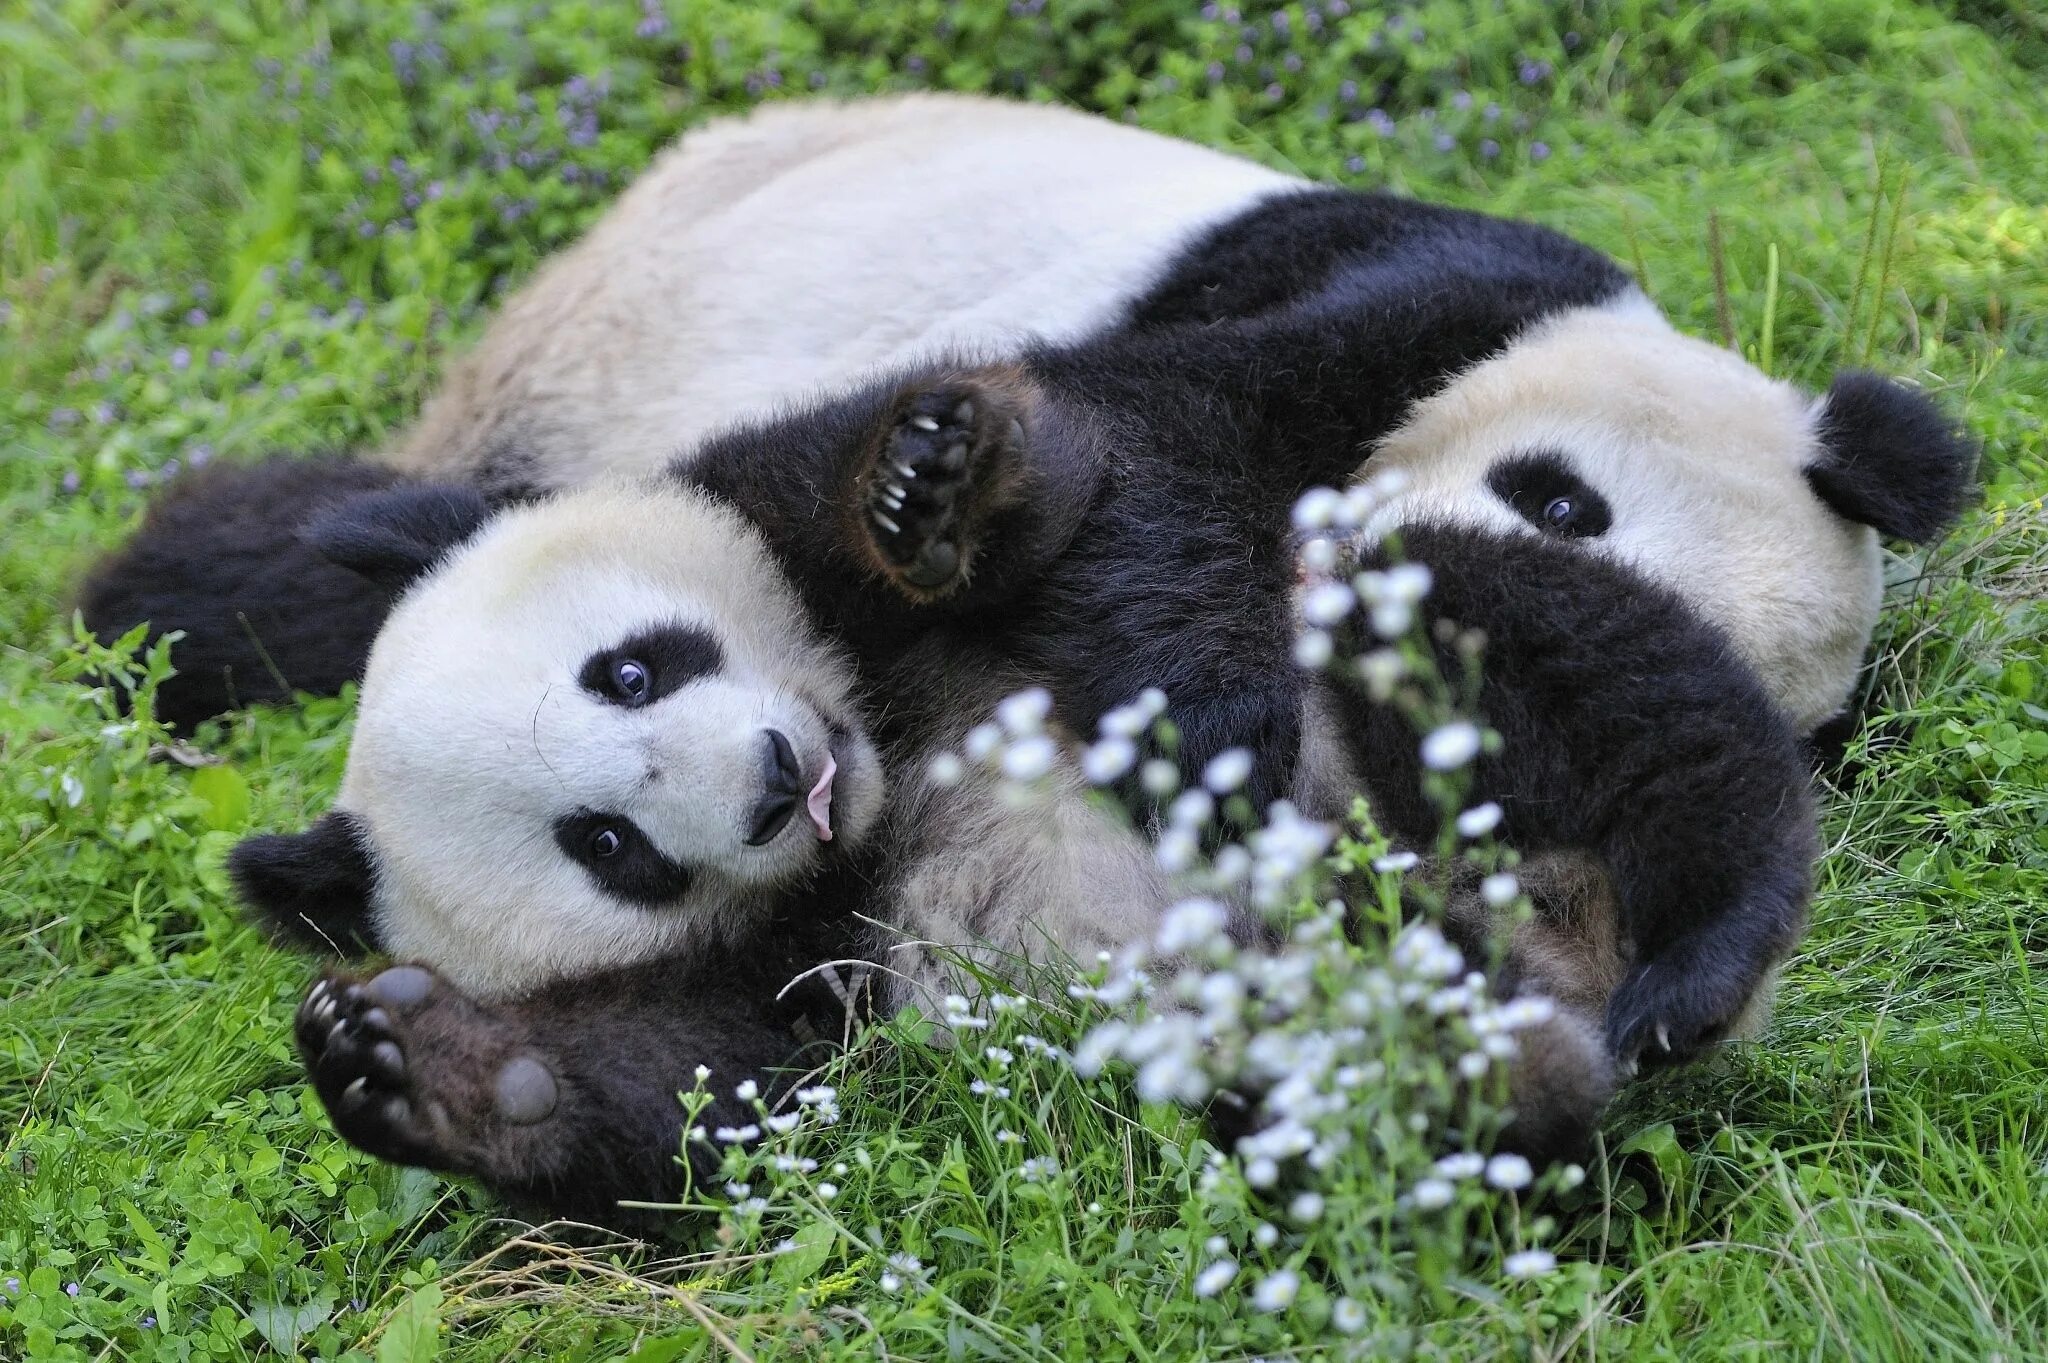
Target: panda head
(593,731)
(1760,505)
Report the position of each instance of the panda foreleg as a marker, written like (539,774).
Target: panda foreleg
(1631,731)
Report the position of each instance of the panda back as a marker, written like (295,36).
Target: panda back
(765,260)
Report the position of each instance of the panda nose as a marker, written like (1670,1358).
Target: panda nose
(783,779)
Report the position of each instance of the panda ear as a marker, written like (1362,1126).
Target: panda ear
(394,536)
(1890,458)
(311,889)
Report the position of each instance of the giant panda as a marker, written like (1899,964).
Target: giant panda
(770,258)
(611,736)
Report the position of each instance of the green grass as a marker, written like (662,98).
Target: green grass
(205,245)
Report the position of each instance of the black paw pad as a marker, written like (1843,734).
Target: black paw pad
(947,443)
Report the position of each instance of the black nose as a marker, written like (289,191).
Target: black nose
(784,781)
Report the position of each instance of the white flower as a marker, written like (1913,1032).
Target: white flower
(1572,1176)
(1024,714)
(1316,508)
(1028,759)
(1464,1164)
(1191,808)
(1306,1207)
(1313,649)
(1509,1172)
(822,1093)
(1152,701)
(1530,1263)
(1276,1292)
(1189,924)
(734,1135)
(1265,1235)
(1108,759)
(1451,747)
(1327,603)
(1472,1064)
(1159,777)
(784,1124)
(1227,771)
(1008,1137)
(1479,820)
(1348,1316)
(703,1072)
(1215,1277)
(1433,1194)
(1000,1056)
(1408,582)
(1125,721)
(748,1091)
(1395,863)
(1040,1169)
(947,770)
(1262,1173)
(1530,1010)
(1176,850)
(1319,555)
(1499,889)
(1382,670)
(1391,619)
(982,740)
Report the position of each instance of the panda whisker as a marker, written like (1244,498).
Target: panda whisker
(534,732)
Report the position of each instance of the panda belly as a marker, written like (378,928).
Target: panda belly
(873,235)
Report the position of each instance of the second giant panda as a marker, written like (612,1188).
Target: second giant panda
(769,259)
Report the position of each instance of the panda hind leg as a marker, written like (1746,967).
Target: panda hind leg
(414,1072)
(949,459)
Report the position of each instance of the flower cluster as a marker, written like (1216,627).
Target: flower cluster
(1325,1036)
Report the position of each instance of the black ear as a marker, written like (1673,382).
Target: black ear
(392,537)
(311,889)
(1891,459)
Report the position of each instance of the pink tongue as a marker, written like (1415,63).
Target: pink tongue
(820,801)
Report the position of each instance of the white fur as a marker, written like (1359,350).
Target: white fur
(865,235)
(1701,458)
(474,736)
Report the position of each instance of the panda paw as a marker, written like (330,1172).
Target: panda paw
(413,1072)
(947,460)
(1670,1008)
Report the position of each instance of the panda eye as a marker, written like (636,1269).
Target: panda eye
(632,681)
(1545,492)
(606,842)
(650,666)
(620,858)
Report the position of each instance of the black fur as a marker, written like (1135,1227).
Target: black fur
(1891,459)
(263,613)
(311,888)
(1633,731)
(419,1074)
(393,537)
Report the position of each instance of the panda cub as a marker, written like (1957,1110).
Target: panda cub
(811,244)
(601,736)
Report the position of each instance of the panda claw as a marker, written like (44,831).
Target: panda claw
(1664,1036)
(924,423)
(888,524)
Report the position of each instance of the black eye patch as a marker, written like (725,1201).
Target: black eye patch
(620,858)
(1545,492)
(650,665)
